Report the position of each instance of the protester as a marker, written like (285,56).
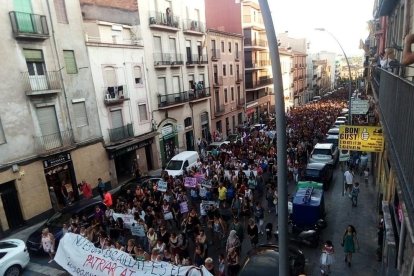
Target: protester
(327,258)
(350,243)
(48,243)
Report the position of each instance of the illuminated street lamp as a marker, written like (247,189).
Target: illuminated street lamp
(349,71)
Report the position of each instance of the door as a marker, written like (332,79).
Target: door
(148,155)
(36,69)
(189,138)
(188,51)
(158,50)
(49,127)
(24,17)
(11,205)
(176,84)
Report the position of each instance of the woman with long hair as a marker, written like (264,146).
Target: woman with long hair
(349,242)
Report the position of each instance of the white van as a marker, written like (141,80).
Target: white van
(178,163)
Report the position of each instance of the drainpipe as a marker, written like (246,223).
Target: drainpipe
(60,67)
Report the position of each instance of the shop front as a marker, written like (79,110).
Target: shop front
(168,142)
(60,176)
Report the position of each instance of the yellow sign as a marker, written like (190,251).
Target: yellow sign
(361,138)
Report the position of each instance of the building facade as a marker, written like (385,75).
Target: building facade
(258,78)
(50,135)
(117,59)
(177,75)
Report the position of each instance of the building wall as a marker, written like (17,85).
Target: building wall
(32,190)
(224,15)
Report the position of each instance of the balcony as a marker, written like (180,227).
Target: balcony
(42,83)
(215,54)
(217,81)
(258,43)
(121,133)
(29,26)
(395,97)
(199,94)
(258,63)
(194,27)
(170,100)
(258,83)
(219,109)
(199,60)
(51,143)
(163,21)
(164,60)
(239,78)
(115,95)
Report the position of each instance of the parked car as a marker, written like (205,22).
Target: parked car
(342,118)
(233,138)
(333,131)
(264,261)
(55,223)
(326,153)
(14,257)
(146,182)
(216,145)
(334,139)
(319,172)
(316,98)
(339,123)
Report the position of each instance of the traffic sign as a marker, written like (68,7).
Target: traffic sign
(361,138)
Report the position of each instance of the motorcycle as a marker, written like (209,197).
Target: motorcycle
(304,236)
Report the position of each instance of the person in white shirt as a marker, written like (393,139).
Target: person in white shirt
(349,181)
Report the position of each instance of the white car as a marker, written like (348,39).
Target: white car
(14,257)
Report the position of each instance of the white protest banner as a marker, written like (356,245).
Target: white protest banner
(190,182)
(137,230)
(127,218)
(162,186)
(183,207)
(78,256)
(206,183)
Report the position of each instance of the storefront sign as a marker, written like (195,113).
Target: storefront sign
(130,148)
(78,256)
(190,182)
(162,186)
(57,160)
(361,138)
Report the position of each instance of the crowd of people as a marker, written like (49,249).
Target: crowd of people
(206,224)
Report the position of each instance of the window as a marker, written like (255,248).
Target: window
(234,123)
(143,114)
(2,135)
(60,10)
(70,62)
(224,69)
(110,76)
(222,46)
(225,95)
(232,93)
(240,118)
(236,46)
(137,75)
(188,122)
(227,125)
(231,69)
(229,47)
(81,117)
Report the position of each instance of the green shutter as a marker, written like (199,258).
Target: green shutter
(162,152)
(22,6)
(24,18)
(70,62)
(33,55)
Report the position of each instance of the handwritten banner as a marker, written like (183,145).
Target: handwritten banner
(183,207)
(162,186)
(190,182)
(206,183)
(137,230)
(128,219)
(78,256)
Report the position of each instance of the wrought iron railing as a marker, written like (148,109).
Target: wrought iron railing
(172,99)
(164,19)
(199,93)
(255,42)
(194,25)
(258,83)
(41,81)
(28,24)
(120,133)
(168,59)
(51,142)
(196,59)
(116,94)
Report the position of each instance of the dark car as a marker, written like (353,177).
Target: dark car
(264,261)
(55,223)
(319,172)
(145,182)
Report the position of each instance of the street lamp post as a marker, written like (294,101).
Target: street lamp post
(349,71)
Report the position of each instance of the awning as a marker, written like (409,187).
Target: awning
(130,145)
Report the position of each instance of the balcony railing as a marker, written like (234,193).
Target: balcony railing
(198,94)
(52,142)
(395,96)
(194,26)
(255,42)
(121,133)
(172,99)
(258,63)
(196,60)
(37,84)
(217,81)
(115,94)
(167,59)
(164,21)
(258,83)
(219,109)
(28,25)
(215,54)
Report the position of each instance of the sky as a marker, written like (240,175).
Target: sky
(345,19)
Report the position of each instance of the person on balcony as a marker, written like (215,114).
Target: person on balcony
(407,54)
(389,62)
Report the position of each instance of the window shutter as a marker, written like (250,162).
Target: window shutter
(143,115)
(70,62)
(33,55)
(81,117)
(60,9)
(2,136)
